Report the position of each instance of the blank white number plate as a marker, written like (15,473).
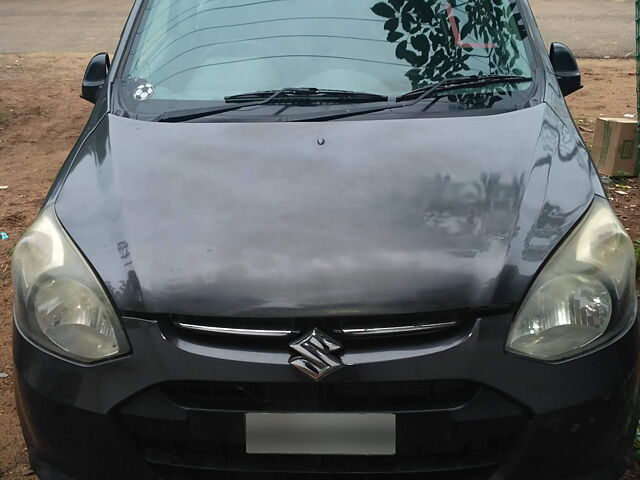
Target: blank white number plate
(321,433)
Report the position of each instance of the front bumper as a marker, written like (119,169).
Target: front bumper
(174,408)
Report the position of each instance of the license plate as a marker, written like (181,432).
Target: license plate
(321,433)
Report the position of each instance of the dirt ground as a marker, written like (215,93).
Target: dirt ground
(41,115)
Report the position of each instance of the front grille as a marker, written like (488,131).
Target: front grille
(446,429)
(340,397)
(357,333)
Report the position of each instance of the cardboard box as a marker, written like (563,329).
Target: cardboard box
(615,147)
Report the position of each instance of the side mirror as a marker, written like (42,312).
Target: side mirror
(95,76)
(566,68)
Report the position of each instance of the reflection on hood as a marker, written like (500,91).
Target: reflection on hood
(387,216)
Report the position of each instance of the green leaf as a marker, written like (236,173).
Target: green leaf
(397,4)
(392,24)
(425,12)
(412,58)
(383,10)
(408,21)
(401,50)
(413,74)
(394,36)
(420,43)
(466,30)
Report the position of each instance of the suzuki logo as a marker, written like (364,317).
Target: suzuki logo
(315,354)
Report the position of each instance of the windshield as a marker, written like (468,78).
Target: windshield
(208,50)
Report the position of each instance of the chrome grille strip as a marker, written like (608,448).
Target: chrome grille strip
(249,332)
(417,328)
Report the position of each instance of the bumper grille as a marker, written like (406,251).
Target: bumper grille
(176,473)
(445,429)
(339,397)
(464,458)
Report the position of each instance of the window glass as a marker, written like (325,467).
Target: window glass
(211,49)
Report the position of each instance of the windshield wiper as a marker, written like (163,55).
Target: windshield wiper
(322,95)
(313,94)
(471,81)
(268,97)
(422,93)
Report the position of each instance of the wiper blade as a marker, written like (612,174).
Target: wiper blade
(323,95)
(265,98)
(314,94)
(423,92)
(426,91)
(471,81)
(194,113)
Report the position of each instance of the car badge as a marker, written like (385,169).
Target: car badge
(315,355)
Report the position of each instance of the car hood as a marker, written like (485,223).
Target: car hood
(324,219)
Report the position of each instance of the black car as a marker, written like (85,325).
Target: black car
(328,239)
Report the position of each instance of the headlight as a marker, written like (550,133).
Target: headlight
(60,304)
(583,295)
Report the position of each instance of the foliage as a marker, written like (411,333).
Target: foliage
(425,37)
